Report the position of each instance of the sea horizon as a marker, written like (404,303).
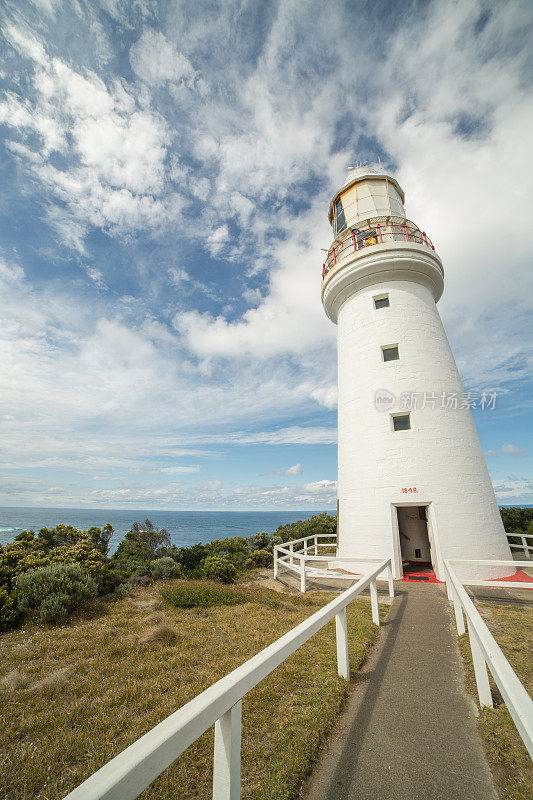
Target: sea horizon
(184,527)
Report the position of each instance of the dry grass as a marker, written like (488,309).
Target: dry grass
(162,632)
(512,627)
(120,679)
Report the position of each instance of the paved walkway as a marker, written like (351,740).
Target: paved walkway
(409,731)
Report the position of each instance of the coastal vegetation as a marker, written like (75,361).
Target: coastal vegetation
(517,520)
(72,696)
(45,576)
(512,627)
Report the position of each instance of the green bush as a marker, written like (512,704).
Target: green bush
(110,578)
(122,591)
(259,558)
(188,594)
(8,610)
(219,568)
(53,592)
(258,541)
(165,568)
(516,519)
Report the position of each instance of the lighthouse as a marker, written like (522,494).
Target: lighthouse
(412,480)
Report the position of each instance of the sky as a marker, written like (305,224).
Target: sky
(166,171)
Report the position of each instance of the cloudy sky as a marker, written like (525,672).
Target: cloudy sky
(166,170)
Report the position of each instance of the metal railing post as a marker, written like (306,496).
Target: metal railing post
(374,602)
(227,755)
(302,574)
(343,658)
(316,545)
(390,580)
(291,558)
(275,563)
(480,670)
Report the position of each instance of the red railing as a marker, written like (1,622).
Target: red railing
(379,230)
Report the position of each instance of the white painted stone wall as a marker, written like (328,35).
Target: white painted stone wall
(440,457)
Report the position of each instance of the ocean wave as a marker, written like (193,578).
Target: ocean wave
(4,530)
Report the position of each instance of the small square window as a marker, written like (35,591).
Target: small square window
(390,353)
(381,302)
(401,422)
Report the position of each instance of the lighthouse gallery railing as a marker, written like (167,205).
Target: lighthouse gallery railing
(129,773)
(377,230)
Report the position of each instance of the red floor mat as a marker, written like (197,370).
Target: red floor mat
(419,572)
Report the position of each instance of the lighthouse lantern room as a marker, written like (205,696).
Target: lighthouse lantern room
(412,480)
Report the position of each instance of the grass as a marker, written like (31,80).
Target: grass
(201,594)
(512,627)
(75,696)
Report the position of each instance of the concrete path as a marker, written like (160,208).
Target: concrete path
(409,731)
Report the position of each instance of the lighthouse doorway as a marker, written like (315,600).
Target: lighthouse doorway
(415,544)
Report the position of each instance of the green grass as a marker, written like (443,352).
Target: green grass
(200,594)
(78,694)
(512,627)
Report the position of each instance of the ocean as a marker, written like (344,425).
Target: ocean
(185,527)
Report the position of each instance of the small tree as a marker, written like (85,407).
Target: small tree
(100,537)
(143,541)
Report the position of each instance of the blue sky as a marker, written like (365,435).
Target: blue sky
(166,173)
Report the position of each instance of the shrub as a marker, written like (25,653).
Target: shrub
(164,569)
(258,541)
(122,591)
(192,557)
(54,591)
(259,558)
(8,610)
(110,579)
(186,594)
(318,523)
(219,568)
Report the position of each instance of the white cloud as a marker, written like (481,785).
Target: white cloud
(296,469)
(512,450)
(117,178)
(326,396)
(25,43)
(508,450)
(512,488)
(156,60)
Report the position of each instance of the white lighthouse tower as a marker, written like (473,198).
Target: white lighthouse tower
(412,479)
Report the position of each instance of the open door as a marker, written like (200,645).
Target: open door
(418,557)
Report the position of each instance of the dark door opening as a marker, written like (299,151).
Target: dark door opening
(415,546)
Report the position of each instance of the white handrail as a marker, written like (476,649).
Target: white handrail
(308,538)
(497,583)
(129,773)
(526,548)
(485,651)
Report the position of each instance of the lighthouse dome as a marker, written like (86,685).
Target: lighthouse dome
(366,193)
